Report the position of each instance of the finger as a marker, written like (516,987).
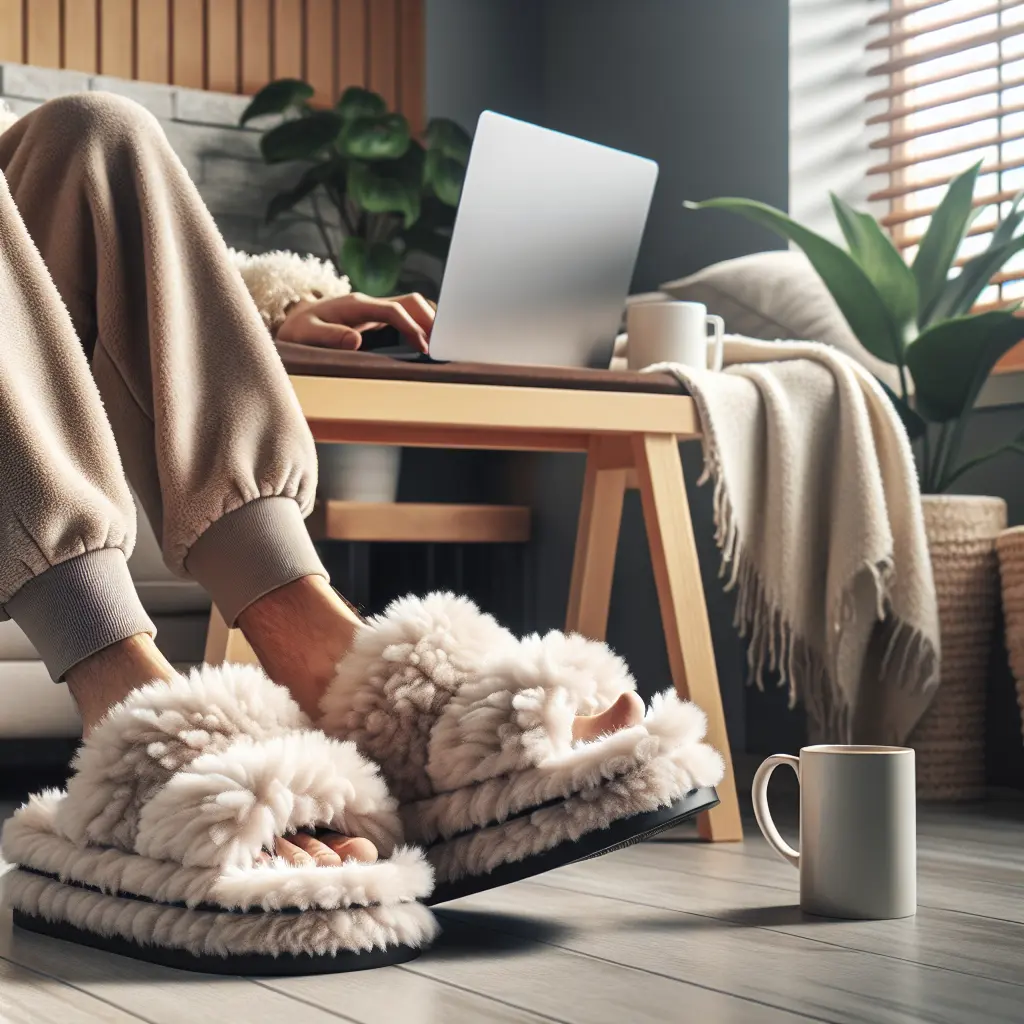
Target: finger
(263,857)
(419,309)
(324,856)
(390,312)
(312,330)
(290,853)
(350,849)
(628,710)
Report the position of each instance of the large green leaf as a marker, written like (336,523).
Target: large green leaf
(938,248)
(378,193)
(950,361)
(873,250)
(961,293)
(914,424)
(375,138)
(856,296)
(445,176)
(356,102)
(301,139)
(277,97)
(372,267)
(450,139)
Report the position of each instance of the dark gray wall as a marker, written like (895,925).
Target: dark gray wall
(484,55)
(699,86)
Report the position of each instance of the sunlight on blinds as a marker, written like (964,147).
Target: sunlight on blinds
(953,74)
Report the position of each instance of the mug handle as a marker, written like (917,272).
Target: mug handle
(759,792)
(719,341)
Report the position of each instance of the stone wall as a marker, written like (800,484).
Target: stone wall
(222,159)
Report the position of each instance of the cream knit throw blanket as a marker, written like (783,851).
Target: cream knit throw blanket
(818,517)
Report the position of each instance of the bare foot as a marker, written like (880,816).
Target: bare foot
(300,632)
(626,711)
(327,850)
(108,676)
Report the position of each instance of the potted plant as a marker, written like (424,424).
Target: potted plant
(383,204)
(918,318)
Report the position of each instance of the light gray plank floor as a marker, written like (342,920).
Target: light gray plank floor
(672,929)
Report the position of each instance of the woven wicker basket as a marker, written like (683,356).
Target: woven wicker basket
(1010,546)
(950,738)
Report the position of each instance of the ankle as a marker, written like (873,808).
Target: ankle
(300,632)
(105,678)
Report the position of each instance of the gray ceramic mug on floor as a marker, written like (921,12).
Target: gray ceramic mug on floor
(858,829)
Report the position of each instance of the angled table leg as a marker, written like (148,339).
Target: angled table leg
(683,610)
(597,540)
(226,644)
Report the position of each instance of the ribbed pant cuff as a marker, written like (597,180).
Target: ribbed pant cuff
(249,552)
(78,607)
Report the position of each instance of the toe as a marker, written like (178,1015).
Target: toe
(347,848)
(291,854)
(628,710)
(323,856)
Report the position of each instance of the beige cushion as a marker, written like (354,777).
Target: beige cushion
(775,296)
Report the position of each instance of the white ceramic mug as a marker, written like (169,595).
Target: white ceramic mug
(858,829)
(673,332)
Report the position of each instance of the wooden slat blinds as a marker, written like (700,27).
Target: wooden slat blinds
(952,72)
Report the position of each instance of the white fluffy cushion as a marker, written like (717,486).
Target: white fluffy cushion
(772,296)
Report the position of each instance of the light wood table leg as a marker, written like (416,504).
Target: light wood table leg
(226,645)
(683,610)
(597,540)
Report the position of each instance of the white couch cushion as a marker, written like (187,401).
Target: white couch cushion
(776,296)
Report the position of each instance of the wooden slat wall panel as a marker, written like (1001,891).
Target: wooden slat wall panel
(117,42)
(287,39)
(255,40)
(153,40)
(230,45)
(222,45)
(352,49)
(412,61)
(12,30)
(81,40)
(383,36)
(320,39)
(188,43)
(42,35)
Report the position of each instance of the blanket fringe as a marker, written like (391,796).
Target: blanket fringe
(909,660)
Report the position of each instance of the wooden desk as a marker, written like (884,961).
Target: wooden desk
(629,425)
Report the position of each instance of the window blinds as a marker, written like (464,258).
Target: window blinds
(952,72)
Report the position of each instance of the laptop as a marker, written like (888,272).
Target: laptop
(545,241)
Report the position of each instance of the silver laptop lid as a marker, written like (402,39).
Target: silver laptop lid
(544,245)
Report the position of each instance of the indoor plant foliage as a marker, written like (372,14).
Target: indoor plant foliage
(916,316)
(376,194)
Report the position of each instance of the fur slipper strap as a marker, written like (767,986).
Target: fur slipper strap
(442,696)
(205,770)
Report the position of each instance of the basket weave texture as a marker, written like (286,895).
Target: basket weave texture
(950,738)
(1010,547)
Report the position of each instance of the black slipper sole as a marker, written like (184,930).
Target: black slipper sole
(252,964)
(616,836)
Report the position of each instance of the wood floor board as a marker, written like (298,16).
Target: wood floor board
(531,964)
(27,997)
(397,994)
(158,995)
(815,979)
(767,900)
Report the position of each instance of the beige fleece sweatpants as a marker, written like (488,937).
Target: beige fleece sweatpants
(129,347)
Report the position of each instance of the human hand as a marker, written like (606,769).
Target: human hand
(341,322)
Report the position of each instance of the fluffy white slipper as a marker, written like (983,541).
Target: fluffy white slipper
(472,729)
(155,849)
